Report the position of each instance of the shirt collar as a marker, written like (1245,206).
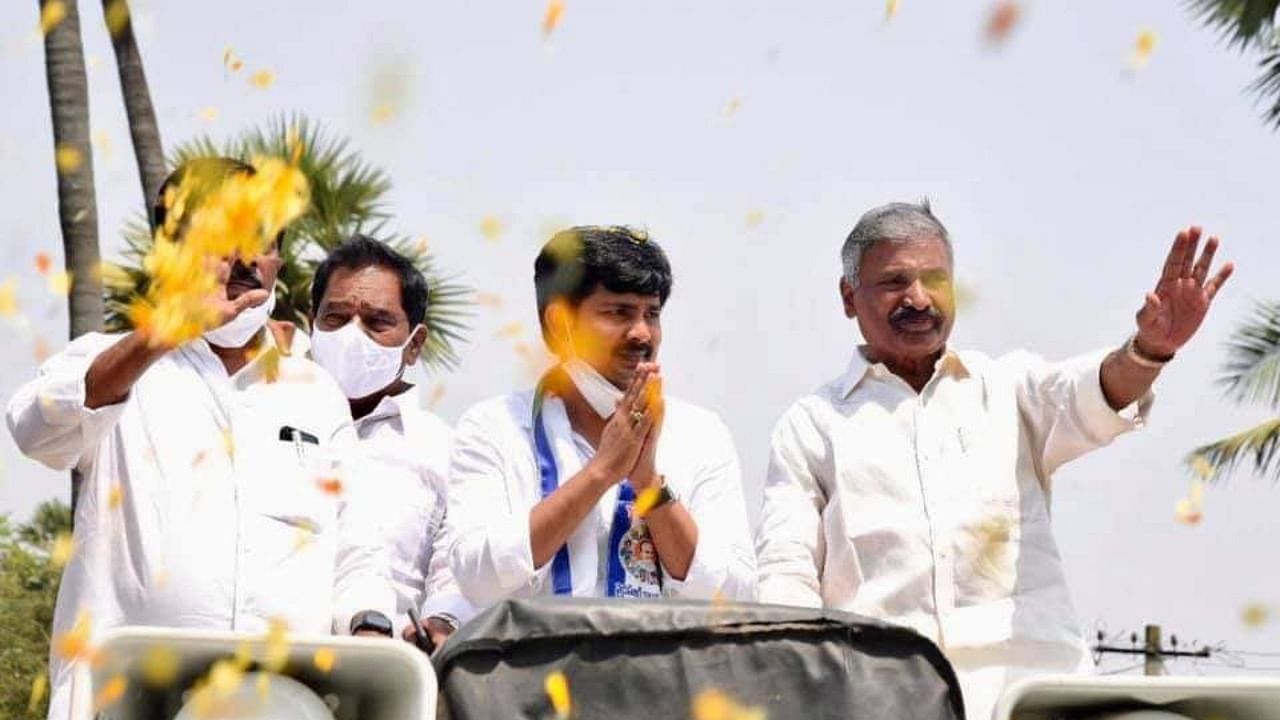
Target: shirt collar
(951,363)
(388,407)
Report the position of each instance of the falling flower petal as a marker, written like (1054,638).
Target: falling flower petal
(489,300)
(160,666)
(324,659)
(9,298)
(53,13)
(557,687)
(1143,48)
(732,107)
(551,18)
(40,350)
(437,393)
(63,547)
(645,502)
(73,645)
(276,655)
(117,16)
(43,263)
(330,486)
(754,218)
(209,114)
(715,705)
(1255,615)
(510,330)
(116,497)
(491,228)
(890,9)
(67,158)
(1004,17)
(1188,513)
(1201,467)
(102,141)
(231,61)
(60,283)
(39,688)
(262,79)
(110,693)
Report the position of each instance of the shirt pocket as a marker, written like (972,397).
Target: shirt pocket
(300,486)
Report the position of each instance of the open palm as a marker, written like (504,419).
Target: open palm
(1174,310)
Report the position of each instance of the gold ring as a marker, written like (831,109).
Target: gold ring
(637,417)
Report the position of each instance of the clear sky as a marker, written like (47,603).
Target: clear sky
(748,136)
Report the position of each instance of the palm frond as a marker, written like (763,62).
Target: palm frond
(1241,22)
(1268,86)
(1252,370)
(348,195)
(1260,443)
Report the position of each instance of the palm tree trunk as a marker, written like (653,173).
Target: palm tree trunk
(77,205)
(143,129)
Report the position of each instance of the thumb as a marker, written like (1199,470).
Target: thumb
(1149,309)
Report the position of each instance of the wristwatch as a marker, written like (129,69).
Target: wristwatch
(372,621)
(664,496)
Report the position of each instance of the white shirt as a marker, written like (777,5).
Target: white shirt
(494,484)
(931,510)
(407,449)
(193,511)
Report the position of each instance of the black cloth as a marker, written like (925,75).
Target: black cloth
(649,659)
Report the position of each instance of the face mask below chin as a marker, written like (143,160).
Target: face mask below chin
(242,327)
(359,364)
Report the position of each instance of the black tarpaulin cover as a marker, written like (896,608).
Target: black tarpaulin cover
(649,659)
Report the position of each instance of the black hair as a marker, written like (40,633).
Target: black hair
(360,251)
(207,173)
(576,261)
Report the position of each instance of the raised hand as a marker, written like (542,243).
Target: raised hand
(1174,310)
(645,472)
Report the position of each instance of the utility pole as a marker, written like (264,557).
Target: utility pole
(1152,650)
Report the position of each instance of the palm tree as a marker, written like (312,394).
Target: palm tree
(77,205)
(1251,374)
(348,195)
(143,129)
(1250,25)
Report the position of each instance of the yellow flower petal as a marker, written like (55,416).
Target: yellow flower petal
(160,666)
(116,497)
(67,158)
(754,218)
(231,61)
(60,283)
(557,687)
(551,18)
(1143,48)
(645,502)
(491,228)
(53,13)
(117,16)
(64,546)
(1255,615)
(510,330)
(262,79)
(209,114)
(8,298)
(890,9)
(276,655)
(110,693)
(39,688)
(324,659)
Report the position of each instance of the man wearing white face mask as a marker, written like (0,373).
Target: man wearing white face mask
(210,470)
(369,308)
(594,484)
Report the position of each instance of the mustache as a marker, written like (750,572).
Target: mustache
(241,274)
(906,315)
(634,348)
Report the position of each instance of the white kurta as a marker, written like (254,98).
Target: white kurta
(208,501)
(931,510)
(494,484)
(407,449)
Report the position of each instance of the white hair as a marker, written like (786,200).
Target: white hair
(895,222)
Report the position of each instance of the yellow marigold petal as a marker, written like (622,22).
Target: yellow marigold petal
(53,13)
(325,659)
(67,158)
(557,687)
(160,666)
(110,693)
(39,688)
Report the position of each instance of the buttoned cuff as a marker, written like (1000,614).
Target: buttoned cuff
(62,403)
(1096,415)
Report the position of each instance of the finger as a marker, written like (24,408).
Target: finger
(643,377)
(1189,254)
(1150,308)
(628,399)
(1219,280)
(1201,269)
(251,298)
(1173,260)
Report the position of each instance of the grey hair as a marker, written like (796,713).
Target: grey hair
(895,222)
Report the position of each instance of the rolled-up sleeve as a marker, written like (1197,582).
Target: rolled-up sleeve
(724,564)
(491,556)
(790,544)
(47,416)
(1064,410)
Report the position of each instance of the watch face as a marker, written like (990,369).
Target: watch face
(372,620)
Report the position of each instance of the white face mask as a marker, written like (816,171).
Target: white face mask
(361,366)
(242,327)
(600,394)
